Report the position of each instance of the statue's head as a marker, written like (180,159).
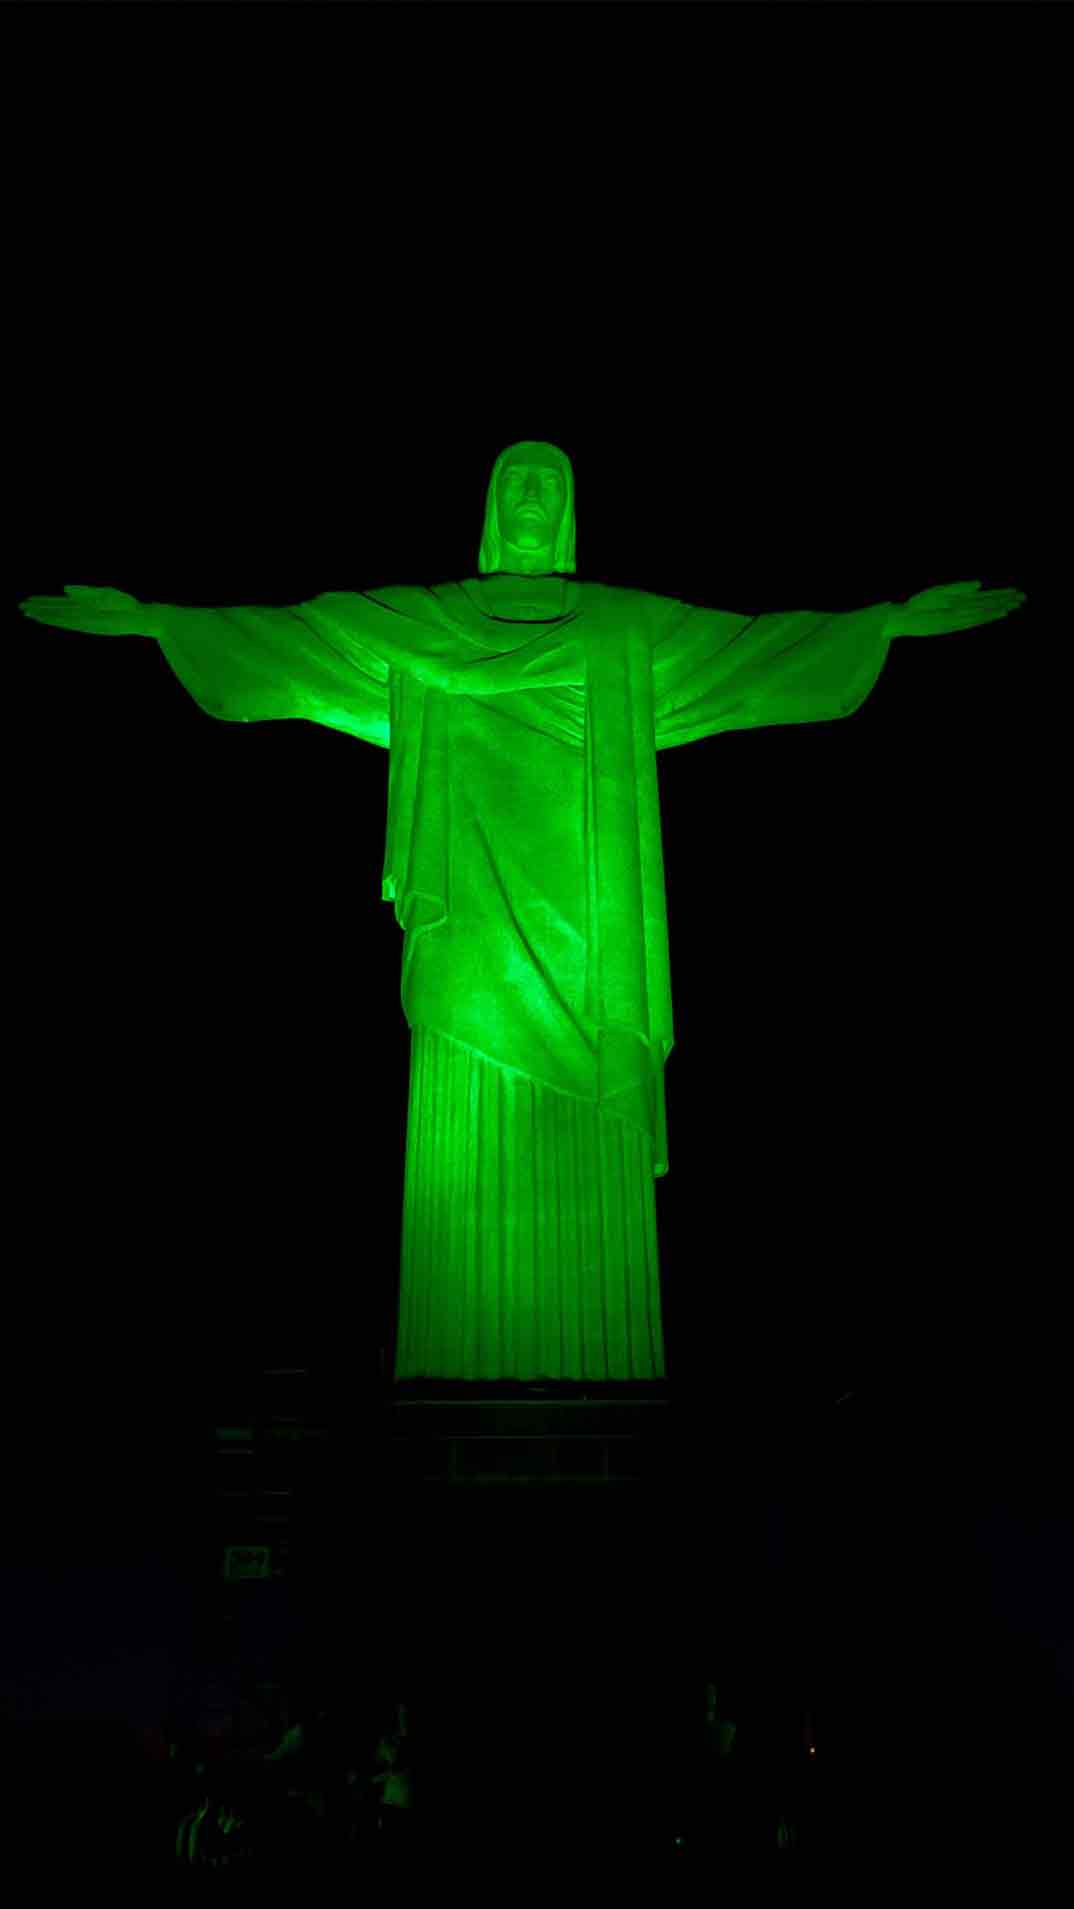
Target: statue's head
(529,512)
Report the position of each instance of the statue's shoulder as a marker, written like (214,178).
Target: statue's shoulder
(613,602)
(630,596)
(401,596)
(645,609)
(405,597)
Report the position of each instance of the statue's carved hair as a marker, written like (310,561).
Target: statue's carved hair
(491,554)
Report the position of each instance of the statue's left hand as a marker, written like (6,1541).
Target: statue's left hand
(951,606)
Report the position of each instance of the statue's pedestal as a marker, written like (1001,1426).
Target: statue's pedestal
(443,1435)
(548,1626)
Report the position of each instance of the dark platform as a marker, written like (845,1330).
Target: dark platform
(441,1433)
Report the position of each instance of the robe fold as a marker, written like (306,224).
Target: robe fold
(524,863)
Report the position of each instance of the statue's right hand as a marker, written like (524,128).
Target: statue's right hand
(95,609)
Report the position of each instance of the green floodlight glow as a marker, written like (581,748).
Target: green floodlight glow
(523,711)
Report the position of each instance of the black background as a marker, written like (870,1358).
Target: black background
(781,282)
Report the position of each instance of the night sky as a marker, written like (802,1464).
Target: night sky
(824,382)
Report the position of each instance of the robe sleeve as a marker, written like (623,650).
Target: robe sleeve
(329,660)
(714,670)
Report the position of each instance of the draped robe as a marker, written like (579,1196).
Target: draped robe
(524,863)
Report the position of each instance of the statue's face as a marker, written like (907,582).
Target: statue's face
(530,501)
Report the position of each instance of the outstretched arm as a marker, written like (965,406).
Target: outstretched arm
(718,670)
(715,670)
(251,663)
(949,607)
(328,660)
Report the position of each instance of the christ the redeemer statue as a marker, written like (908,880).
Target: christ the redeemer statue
(523,711)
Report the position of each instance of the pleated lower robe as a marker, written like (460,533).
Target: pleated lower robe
(529,1246)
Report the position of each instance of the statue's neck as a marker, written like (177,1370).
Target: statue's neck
(527,563)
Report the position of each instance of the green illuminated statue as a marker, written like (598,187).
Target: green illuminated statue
(523,711)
